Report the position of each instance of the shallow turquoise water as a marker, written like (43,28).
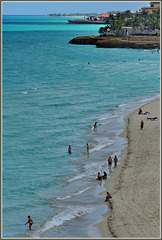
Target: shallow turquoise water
(51,98)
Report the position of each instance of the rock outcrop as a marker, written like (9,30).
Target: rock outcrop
(118,42)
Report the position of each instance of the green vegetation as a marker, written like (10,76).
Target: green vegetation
(142,20)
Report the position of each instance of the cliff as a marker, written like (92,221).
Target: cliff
(118,42)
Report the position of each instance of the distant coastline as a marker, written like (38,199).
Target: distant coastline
(71,14)
(85,22)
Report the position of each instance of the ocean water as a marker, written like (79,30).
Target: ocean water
(51,99)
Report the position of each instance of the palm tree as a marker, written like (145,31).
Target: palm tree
(136,22)
(144,16)
(118,15)
(128,14)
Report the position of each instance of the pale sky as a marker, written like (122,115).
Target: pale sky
(46,7)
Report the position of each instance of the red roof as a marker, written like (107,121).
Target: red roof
(105,15)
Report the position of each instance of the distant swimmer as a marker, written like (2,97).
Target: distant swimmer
(69,149)
(142,124)
(115,161)
(87,148)
(30,221)
(88,63)
(95,125)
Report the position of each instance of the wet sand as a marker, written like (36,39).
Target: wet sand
(135,183)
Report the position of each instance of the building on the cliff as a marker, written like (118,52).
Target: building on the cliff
(139,32)
(153,7)
(102,17)
(91,18)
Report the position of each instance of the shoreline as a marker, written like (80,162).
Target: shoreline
(135,183)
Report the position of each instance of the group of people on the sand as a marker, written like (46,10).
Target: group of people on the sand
(148,118)
(104,176)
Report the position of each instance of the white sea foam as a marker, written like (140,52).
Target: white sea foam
(24,92)
(90,170)
(77,177)
(93,167)
(73,195)
(107,117)
(102,143)
(66,215)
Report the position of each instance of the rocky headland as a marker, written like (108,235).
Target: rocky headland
(145,42)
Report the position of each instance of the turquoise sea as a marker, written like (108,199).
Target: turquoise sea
(51,99)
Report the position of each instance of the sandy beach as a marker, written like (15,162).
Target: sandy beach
(135,183)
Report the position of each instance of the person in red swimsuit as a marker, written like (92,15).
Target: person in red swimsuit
(108,197)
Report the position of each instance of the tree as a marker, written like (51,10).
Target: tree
(136,22)
(128,14)
(102,30)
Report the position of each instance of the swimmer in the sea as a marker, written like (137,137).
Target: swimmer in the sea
(87,148)
(95,125)
(69,149)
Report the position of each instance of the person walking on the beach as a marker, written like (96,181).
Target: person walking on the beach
(142,124)
(95,125)
(69,149)
(30,221)
(108,196)
(115,161)
(109,163)
(87,148)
